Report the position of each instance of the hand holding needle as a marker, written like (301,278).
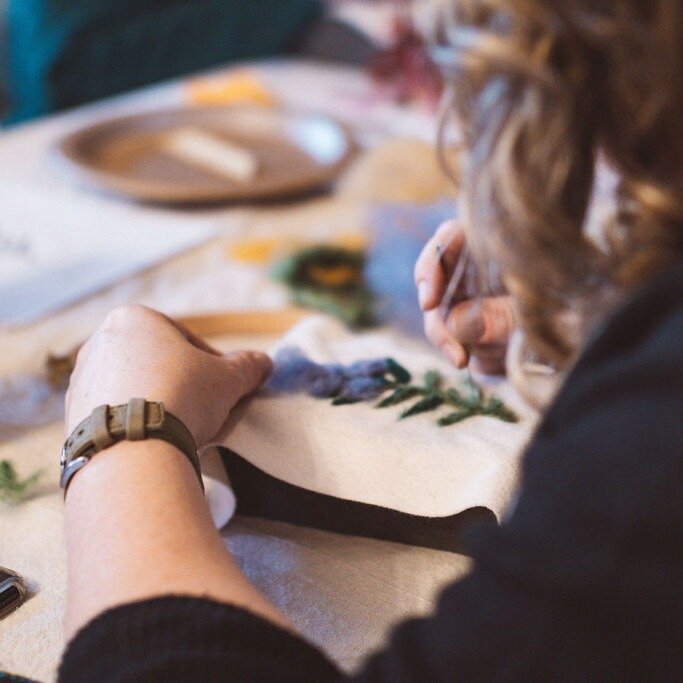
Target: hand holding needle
(465,315)
(455,292)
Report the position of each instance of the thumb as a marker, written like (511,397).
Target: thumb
(247,371)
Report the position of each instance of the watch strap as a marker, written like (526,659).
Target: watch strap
(135,421)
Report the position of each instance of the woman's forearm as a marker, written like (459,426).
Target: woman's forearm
(137,526)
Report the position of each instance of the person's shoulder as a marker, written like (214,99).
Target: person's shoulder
(605,463)
(617,418)
(652,315)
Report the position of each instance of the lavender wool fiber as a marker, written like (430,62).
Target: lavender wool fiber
(361,381)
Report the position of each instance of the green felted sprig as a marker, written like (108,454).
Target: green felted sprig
(13,489)
(467,402)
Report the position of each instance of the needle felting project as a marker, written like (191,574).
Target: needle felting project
(291,438)
(366,380)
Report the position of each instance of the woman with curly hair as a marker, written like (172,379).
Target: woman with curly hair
(582,582)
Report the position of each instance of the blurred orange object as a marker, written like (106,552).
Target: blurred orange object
(263,251)
(235,87)
(256,251)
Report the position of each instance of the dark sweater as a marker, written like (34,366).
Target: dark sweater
(584,582)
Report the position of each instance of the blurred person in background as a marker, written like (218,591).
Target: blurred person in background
(56,54)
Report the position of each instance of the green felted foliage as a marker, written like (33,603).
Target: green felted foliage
(400,374)
(423,406)
(468,401)
(13,489)
(399,396)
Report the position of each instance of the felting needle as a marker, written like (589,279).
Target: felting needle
(454,293)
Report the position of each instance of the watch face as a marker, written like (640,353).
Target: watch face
(12,591)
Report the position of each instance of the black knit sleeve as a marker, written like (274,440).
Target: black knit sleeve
(188,640)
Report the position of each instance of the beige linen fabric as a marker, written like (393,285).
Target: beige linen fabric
(362,454)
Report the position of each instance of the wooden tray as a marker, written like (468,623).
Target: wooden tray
(127,156)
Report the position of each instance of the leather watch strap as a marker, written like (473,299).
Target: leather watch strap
(135,421)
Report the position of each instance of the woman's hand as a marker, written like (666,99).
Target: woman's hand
(138,352)
(480,330)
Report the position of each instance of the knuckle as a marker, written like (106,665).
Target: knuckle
(126,314)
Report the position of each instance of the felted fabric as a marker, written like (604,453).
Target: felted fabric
(63,53)
(362,454)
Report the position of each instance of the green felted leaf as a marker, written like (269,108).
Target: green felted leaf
(455,398)
(506,415)
(432,380)
(398,372)
(454,418)
(473,395)
(496,408)
(494,405)
(401,394)
(425,405)
(12,489)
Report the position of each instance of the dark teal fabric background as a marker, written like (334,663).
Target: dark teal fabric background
(66,52)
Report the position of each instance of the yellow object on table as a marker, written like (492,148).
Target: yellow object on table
(235,87)
(261,251)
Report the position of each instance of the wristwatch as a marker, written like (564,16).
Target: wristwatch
(12,591)
(135,421)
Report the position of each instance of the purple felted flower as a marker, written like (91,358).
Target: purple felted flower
(362,381)
(377,367)
(329,383)
(293,372)
(363,388)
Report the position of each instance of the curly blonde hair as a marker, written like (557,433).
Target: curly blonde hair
(544,89)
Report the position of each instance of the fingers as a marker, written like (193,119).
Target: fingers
(480,328)
(485,322)
(489,359)
(438,334)
(434,264)
(247,371)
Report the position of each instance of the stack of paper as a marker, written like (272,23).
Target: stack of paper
(55,251)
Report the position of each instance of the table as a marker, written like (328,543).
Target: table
(342,593)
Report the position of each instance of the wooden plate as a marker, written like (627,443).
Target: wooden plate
(128,156)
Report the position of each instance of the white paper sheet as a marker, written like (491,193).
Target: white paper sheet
(55,251)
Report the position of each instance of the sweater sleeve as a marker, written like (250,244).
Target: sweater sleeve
(186,639)
(581,583)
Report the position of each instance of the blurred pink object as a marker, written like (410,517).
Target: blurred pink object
(406,70)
